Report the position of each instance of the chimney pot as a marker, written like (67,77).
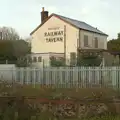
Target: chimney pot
(43,9)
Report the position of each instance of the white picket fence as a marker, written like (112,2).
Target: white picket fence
(65,77)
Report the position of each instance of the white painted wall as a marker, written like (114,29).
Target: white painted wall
(102,40)
(45,60)
(39,44)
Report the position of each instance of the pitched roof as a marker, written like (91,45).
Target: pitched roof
(75,23)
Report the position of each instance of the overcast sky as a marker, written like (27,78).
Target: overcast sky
(24,15)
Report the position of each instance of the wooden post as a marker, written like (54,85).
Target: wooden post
(65,45)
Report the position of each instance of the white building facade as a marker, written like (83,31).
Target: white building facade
(60,36)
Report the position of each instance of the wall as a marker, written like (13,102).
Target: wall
(39,44)
(102,40)
(7,71)
(45,60)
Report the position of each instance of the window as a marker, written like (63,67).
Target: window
(52,58)
(85,41)
(34,59)
(39,59)
(96,42)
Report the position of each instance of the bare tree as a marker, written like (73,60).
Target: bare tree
(8,33)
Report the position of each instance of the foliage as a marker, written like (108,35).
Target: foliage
(8,33)
(89,60)
(118,36)
(13,50)
(23,62)
(29,107)
(21,48)
(114,45)
(56,62)
(6,50)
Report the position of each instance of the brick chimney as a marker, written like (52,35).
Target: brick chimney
(44,15)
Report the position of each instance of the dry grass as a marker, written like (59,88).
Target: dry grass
(80,93)
(44,92)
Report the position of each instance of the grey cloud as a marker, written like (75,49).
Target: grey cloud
(24,15)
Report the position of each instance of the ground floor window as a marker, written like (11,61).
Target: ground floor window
(34,59)
(56,61)
(39,59)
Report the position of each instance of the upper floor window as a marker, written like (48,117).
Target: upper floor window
(85,41)
(96,42)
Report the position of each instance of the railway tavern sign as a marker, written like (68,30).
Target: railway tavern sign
(54,36)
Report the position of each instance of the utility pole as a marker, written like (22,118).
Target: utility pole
(65,45)
(0,35)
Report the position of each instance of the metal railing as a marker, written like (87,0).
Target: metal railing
(65,77)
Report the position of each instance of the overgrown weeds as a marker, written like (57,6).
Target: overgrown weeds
(22,102)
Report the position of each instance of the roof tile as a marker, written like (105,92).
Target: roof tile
(81,25)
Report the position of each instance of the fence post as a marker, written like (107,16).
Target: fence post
(114,82)
(118,78)
(15,73)
(89,76)
(27,71)
(43,72)
(21,74)
(34,77)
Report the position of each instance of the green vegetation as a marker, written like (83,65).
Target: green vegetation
(26,102)
(89,59)
(114,46)
(57,62)
(14,51)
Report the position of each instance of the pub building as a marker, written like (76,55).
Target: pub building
(60,37)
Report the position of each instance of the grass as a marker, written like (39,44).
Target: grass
(79,93)
(108,117)
(94,118)
(45,92)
